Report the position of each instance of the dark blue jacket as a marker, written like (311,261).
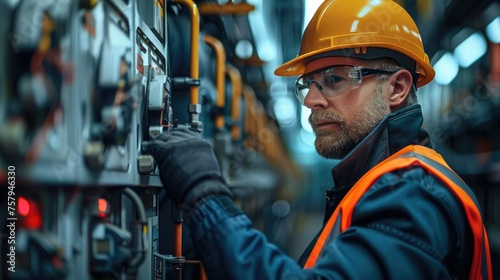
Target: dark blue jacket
(406,226)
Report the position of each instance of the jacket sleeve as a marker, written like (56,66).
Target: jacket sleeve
(407,226)
(231,248)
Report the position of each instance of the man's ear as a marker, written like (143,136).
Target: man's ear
(401,83)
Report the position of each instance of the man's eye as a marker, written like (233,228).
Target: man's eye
(333,79)
(306,81)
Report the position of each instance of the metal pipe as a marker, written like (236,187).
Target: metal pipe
(236,86)
(178,239)
(195,35)
(220,76)
(177,219)
(203,275)
(229,8)
(250,118)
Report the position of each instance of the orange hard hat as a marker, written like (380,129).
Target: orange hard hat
(364,29)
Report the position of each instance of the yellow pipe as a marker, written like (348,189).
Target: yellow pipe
(220,76)
(248,115)
(195,35)
(235,77)
(259,117)
(227,9)
(250,119)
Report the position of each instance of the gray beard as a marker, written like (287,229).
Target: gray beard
(337,146)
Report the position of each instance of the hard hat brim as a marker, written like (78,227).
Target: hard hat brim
(297,66)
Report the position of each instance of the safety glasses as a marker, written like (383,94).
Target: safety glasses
(334,80)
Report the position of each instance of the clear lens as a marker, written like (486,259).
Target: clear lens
(333,81)
(330,82)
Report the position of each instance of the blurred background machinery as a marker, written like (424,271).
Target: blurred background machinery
(83,83)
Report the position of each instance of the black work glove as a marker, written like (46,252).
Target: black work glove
(189,170)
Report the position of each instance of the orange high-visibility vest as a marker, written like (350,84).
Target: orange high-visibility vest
(435,164)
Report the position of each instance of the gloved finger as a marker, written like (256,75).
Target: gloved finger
(168,140)
(187,131)
(153,148)
(178,135)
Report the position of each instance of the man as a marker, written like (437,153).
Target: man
(396,211)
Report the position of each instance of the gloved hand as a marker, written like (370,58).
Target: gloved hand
(189,170)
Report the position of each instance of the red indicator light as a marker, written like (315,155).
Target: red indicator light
(102,206)
(30,213)
(23,206)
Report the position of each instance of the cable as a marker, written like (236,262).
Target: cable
(143,222)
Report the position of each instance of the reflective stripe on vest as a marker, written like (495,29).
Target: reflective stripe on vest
(433,163)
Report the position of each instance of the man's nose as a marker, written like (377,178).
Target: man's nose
(318,85)
(314,97)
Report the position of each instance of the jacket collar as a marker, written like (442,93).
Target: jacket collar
(396,131)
